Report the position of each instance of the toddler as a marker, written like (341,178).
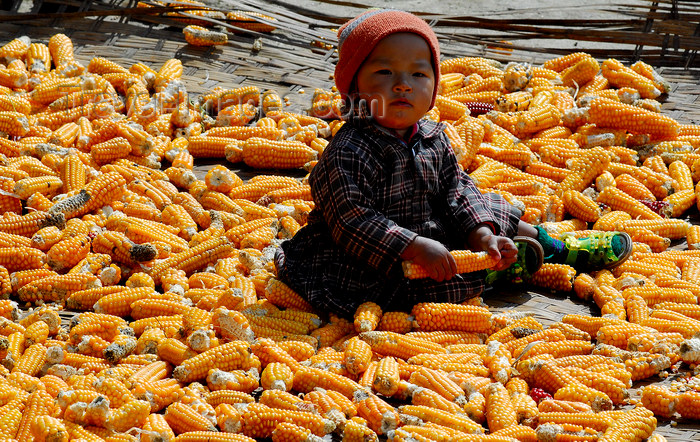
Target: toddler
(388,188)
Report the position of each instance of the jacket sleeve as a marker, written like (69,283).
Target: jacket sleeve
(343,190)
(464,204)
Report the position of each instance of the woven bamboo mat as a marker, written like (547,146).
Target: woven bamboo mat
(288,63)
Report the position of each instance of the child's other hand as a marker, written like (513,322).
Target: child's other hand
(504,249)
(499,247)
(433,257)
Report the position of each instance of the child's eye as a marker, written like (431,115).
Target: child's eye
(419,74)
(384,72)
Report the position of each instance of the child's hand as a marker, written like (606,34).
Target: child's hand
(499,247)
(503,247)
(433,257)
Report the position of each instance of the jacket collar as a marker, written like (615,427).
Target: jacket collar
(424,129)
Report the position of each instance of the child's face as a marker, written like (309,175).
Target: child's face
(397,81)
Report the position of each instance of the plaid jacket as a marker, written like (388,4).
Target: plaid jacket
(374,193)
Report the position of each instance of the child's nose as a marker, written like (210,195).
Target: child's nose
(402,84)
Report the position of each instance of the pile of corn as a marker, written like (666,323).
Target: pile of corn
(186,335)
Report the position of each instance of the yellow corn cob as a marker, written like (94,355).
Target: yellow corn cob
(195,258)
(469,65)
(367,317)
(14,76)
(39,403)
(450,82)
(500,412)
(15,104)
(47,428)
(614,388)
(380,416)
(620,76)
(687,405)
(693,237)
(288,432)
(598,422)
(438,381)
(73,174)
(146,308)
(149,190)
(557,277)
(450,109)
(236,115)
(282,400)
(110,150)
(121,249)
(504,334)
(467,262)
(199,36)
(49,186)
(386,377)
(17,48)
(633,187)
(616,115)
(228,356)
(357,356)
(308,378)
(170,70)
(356,431)
(131,414)
(434,316)
(284,325)
(278,376)
(668,228)
(45,238)
(618,334)
(58,287)
(174,351)
(398,322)
(581,72)
(68,252)
(619,200)
(681,201)
(118,302)
(535,120)
(581,206)
(259,421)
(430,398)
(226,97)
(453,421)
(639,422)
(544,170)
(91,111)
(140,210)
(680,171)
(208,436)
(561,63)
(280,295)
(649,72)
(637,309)
(686,309)
(402,346)
(183,418)
(268,154)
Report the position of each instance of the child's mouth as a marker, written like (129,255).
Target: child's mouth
(401,102)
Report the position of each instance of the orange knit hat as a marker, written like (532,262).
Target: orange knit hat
(358,37)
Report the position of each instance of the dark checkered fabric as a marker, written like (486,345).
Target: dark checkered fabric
(374,193)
